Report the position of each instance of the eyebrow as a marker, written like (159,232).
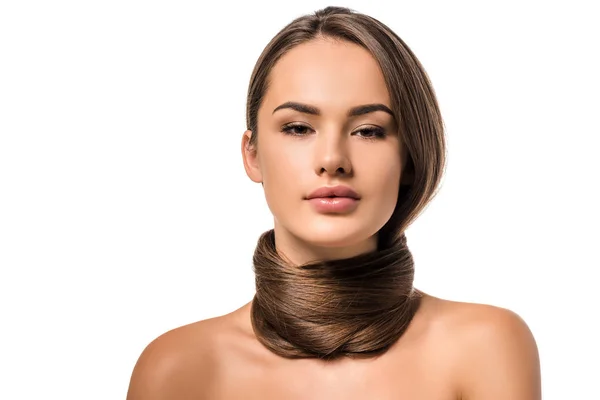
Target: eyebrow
(353,112)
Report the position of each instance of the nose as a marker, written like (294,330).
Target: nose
(331,155)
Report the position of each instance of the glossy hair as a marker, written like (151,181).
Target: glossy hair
(360,306)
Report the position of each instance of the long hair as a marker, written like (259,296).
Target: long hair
(359,306)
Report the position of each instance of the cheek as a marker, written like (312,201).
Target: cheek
(282,171)
(385,178)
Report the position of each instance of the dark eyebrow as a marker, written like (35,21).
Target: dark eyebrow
(353,112)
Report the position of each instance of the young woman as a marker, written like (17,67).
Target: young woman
(345,135)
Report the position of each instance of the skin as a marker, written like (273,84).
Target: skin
(451,350)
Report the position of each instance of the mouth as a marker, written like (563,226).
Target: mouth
(333,204)
(328,192)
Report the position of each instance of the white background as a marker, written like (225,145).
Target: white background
(125,210)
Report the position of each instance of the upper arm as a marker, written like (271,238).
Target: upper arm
(501,359)
(168,369)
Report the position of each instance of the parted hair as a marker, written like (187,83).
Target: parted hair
(358,306)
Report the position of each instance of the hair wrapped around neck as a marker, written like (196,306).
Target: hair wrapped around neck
(355,307)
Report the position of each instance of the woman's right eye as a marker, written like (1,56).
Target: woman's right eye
(295,129)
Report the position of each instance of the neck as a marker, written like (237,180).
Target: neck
(355,304)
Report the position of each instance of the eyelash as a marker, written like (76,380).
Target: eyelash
(378,133)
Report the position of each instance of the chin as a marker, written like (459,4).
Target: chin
(332,234)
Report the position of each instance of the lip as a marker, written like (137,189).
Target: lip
(334,199)
(333,205)
(334,191)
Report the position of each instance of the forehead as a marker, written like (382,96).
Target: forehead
(332,75)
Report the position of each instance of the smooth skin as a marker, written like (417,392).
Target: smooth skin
(451,350)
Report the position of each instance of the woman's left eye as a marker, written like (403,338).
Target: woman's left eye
(371,133)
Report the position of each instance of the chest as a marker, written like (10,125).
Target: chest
(350,384)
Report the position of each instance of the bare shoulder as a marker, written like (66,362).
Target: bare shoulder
(177,364)
(497,356)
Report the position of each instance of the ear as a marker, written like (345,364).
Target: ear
(250,158)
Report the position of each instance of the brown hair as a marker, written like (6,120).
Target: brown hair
(358,306)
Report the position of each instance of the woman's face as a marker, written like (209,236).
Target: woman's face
(318,143)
